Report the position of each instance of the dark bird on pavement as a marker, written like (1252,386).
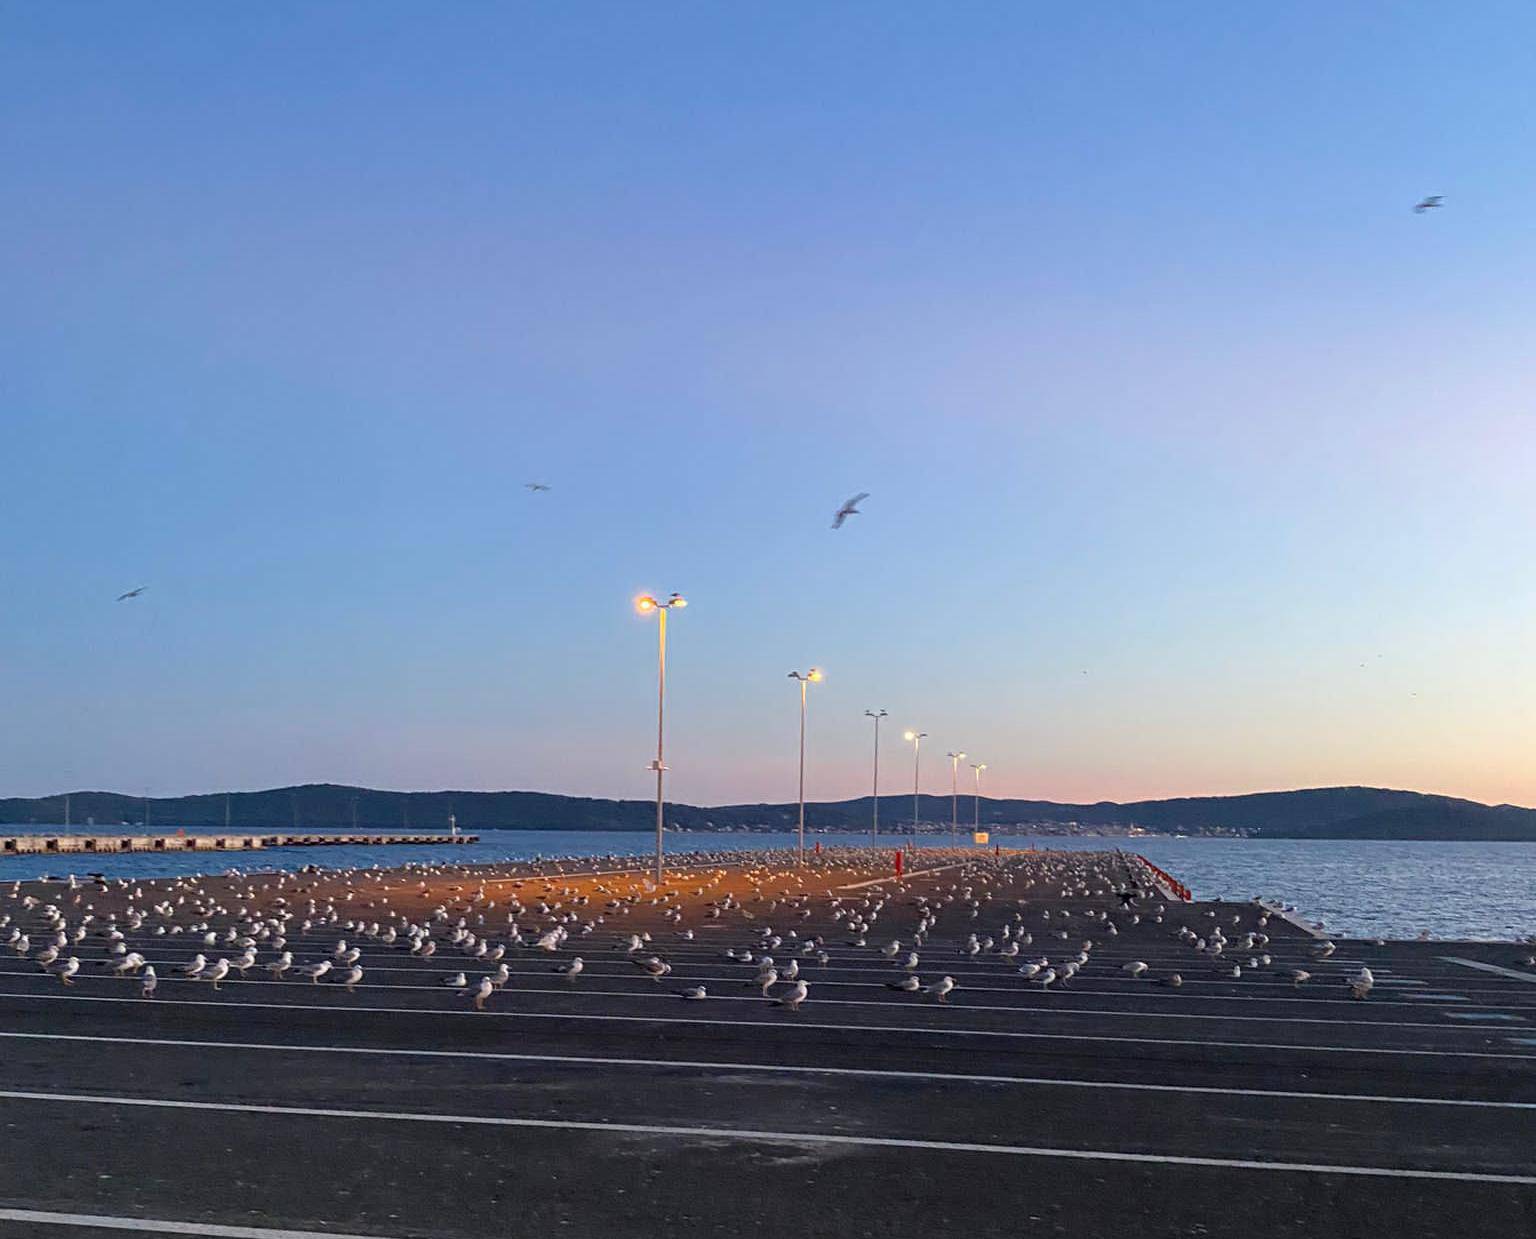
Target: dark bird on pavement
(851,508)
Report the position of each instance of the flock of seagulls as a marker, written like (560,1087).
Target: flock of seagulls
(1045,918)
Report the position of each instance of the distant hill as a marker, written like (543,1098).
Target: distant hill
(1313,813)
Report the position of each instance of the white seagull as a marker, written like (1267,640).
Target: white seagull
(1428,204)
(851,508)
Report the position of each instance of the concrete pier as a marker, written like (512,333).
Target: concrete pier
(609,1105)
(32,844)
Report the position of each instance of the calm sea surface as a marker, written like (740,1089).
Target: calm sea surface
(1453,890)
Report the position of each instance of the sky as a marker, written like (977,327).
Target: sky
(1198,463)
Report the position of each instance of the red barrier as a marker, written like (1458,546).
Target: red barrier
(898,862)
(1168,880)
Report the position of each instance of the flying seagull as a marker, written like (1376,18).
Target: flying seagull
(1428,204)
(132,593)
(535,487)
(851,508)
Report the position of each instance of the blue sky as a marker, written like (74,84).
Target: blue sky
(1172,413)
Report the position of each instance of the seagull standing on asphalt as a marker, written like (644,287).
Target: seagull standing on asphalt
(851,508)
(218,972)
(315,971)
(149,981)
(796,995)
(571,970)
(482,992)
(940,989)
(351,978)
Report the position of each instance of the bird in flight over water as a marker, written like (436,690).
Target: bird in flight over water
(132,593)
(535,487)
(1428,204)
(851,508)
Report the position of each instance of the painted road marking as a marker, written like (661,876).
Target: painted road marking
(1527,977)
(788,1021)
(775,1068)
(164,1226)
(767,1136)
(1037,996)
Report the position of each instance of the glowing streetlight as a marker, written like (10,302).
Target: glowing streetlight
(978,770)
(874,826)
(645,604)
(954,793)
(917,738)
(813,676)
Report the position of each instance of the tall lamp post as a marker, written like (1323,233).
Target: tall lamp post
(813,676)
(645,604)
(874,824)
(954,793)
(917,738)
(978,770)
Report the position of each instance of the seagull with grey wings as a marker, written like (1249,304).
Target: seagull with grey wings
(1428,204)
(851,508)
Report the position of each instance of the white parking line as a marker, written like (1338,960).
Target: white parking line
(651,1064)
(164,1226)
(768,1136)
(788,1020)
(1037,996)
(1528,977)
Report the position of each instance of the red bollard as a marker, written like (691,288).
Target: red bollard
(898,862)
(818,847)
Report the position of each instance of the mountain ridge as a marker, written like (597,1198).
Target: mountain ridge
(1353,812)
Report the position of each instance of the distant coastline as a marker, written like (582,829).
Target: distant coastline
(1316,813)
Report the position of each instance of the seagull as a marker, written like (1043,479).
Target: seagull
(695,994)
(907,985)
(66,970)
(851,508)
(796,996)
(353,976)
(482,992)
(281,965)
(571,970)
(1428,204)
(315,971)
(1135,968)
(150,980)
(218,972)
(940,988)
(535,487)
(456,981)
(132,593)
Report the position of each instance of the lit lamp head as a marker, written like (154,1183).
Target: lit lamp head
(645,604)
(814,676)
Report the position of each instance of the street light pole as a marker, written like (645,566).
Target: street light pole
(645,605)
(917,756)
(978,770)
(874,826)
(954,793)
(813,676)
